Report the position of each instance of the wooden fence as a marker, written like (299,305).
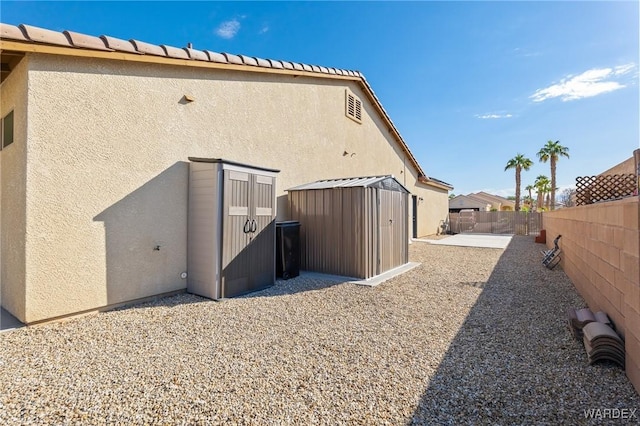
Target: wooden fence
(504,222)
(593,189)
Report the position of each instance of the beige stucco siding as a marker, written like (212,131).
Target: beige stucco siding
(13,96)
(432,210)
(107,172)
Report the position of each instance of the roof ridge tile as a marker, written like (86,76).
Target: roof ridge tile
(148,48)
(276,64)
(263,62)
(216,57)
(248,60)
(86,41)
(42,35)
(198,55)
(233,59)
(174,52)
(12,32)
(119,44)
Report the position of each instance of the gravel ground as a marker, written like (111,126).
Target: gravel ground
(472,336)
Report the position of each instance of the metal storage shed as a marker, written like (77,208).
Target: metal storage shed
(356,227)
(231,228)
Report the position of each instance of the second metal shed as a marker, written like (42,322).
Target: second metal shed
(355,227)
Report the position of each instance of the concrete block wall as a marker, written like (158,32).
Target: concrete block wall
(601,255)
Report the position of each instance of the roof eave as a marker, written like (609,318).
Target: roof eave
(431,182)
(16,44)
(32,47)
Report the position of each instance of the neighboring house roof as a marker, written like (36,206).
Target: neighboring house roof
(492,198)
(27,38)
(382,182)
(465,202)
(479,199)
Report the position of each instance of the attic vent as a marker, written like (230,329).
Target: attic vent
(353,106)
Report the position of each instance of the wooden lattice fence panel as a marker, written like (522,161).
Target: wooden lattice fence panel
(592,189)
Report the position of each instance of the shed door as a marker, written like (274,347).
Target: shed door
(248,246)
(263,239)
(235,235)
(392,216)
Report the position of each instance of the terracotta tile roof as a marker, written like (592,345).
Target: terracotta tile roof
(31,34)
(147,48)
(86,41)
(107,43)
(11,32)
(174,52)
(42,35)
(118,44)
(198,55)
(216,57)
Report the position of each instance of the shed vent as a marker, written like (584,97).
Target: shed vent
(353,107)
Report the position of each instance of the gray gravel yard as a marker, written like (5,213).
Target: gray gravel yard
(472,336)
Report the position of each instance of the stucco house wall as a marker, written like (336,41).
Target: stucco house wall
(625,167)
(106,178)
(13,185)
(433,210)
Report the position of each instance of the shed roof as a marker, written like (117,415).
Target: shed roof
(18,40)
(382,182)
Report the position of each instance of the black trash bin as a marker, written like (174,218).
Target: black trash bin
(287,249)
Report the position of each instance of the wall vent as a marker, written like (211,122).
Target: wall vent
(353,107)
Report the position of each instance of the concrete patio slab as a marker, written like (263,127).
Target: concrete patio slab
(473,240)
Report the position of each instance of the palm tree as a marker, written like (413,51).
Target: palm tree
(542,187)
(519,162)
(530,188)
(552,151)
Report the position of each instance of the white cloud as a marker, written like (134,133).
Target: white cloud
(590,83)
(228,29)
(264,29)
(623,69)
(493,116)
(525,53)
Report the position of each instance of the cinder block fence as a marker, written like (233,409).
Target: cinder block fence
(601,255)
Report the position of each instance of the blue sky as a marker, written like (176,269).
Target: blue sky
(468,84)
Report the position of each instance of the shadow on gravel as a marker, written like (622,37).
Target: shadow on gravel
(514,361)
(302,283)
(165,301)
